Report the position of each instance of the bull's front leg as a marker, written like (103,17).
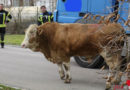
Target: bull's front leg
(61,71)
(67,69)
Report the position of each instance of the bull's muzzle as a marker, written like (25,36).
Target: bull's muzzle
(23,46)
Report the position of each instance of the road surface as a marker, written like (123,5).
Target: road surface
(23,68)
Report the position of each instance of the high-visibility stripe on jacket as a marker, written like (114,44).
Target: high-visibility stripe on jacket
(45,17)
(41,18)
(5,17)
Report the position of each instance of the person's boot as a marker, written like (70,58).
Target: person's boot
(2,45)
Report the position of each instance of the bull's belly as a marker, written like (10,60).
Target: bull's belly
(87,53)
(59,55)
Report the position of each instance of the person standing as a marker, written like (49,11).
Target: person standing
(5,17)
(45,16)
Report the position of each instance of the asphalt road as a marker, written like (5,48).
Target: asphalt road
(29,70)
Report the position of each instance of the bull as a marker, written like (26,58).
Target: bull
(59,42)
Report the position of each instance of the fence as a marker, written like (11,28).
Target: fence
(26,15)
(22,17)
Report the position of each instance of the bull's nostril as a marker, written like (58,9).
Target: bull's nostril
(23,45)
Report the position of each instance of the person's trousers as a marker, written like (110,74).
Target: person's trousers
(2,34)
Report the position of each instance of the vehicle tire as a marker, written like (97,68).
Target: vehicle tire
(98,61)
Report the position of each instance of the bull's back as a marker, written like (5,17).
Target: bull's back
(77,38)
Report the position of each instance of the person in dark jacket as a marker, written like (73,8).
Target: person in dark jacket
(5,17)
(45,16)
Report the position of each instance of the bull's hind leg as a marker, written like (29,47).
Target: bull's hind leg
(61,71)
(67,69)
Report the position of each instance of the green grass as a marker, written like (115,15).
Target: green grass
(3,87)
(13,39)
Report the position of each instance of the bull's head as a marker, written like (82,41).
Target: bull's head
(30,38)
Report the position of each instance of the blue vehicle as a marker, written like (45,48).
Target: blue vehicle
(69,11)
(72,11)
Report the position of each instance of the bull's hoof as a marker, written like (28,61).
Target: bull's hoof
(108,86)
(67,81)
(107,89)
(62,77)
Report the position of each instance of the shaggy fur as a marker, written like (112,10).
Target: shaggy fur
(58,40)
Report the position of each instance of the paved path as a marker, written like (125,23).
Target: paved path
(26,69)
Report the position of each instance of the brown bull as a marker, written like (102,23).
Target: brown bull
(59,42)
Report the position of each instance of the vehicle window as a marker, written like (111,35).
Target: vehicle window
(73,5)
(63,0)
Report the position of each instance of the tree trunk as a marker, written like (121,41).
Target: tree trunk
(11,3)
(31,2)
(20,2)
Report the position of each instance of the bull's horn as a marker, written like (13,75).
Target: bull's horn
(94,17)
(86,16)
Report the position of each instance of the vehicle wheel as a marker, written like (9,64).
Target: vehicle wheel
(97,62)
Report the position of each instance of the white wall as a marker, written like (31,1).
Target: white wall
(24,12)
